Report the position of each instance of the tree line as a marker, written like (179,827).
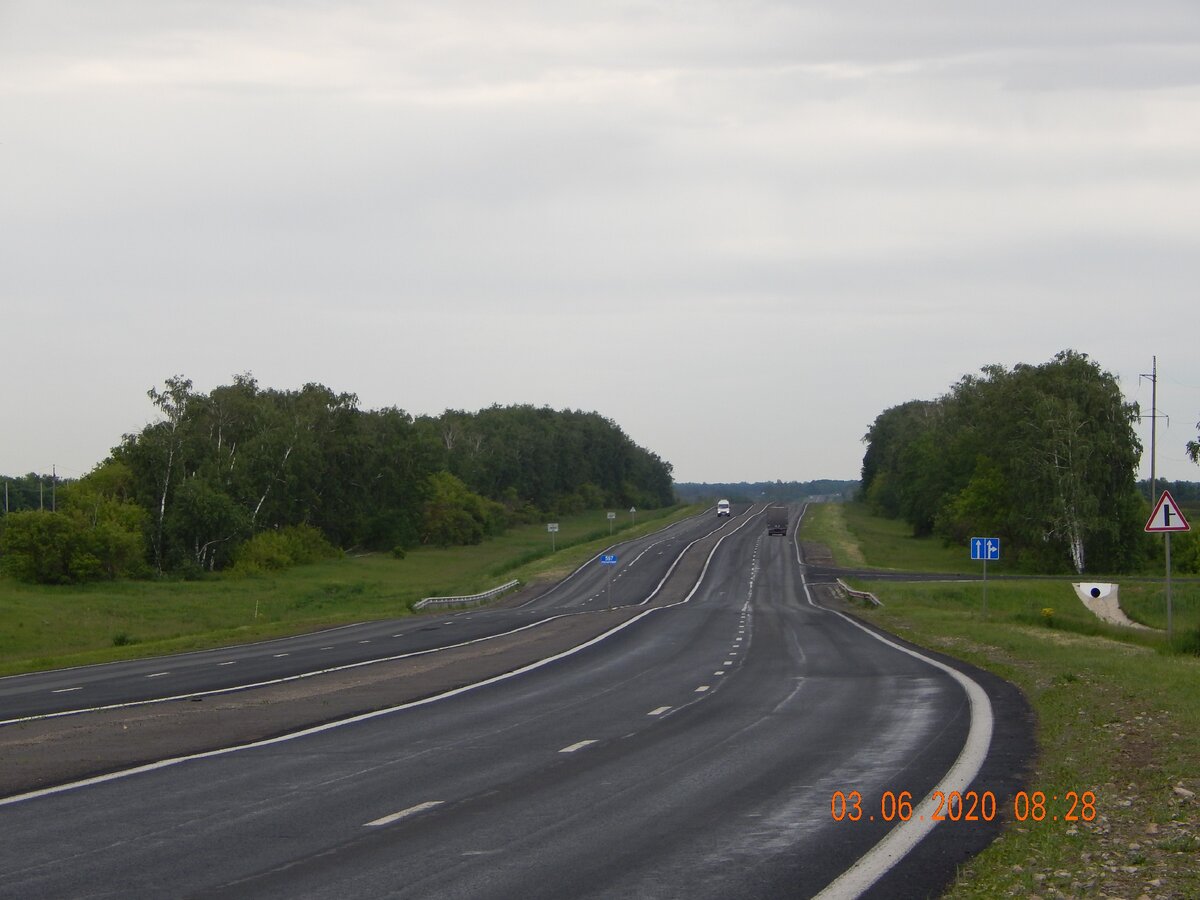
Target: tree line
(223,474)
(765,491)
(1042,456)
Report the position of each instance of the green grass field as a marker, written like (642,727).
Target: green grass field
(49,627)
(1118,714)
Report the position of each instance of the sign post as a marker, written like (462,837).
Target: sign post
(984,549)
(1167,519)
(552,527)
(612,516)
(610,560)
(633,513)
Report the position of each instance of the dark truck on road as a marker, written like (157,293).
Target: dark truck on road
(777,520)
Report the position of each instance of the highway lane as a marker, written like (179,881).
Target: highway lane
(642,563)
(693,753)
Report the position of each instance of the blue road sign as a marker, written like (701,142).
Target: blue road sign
(985,548)
(608,559)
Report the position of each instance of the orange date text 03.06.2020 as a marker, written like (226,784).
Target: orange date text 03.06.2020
(964,806)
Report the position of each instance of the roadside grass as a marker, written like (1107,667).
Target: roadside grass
(833,531)
(44,627)
(889,544)
(1118,714)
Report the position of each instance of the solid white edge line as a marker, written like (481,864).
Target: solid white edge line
(404,813)
(328,726)
(225,649)
(363,717)
(258,684)
(749,516)
(368,662)
(611,547)
(898,842)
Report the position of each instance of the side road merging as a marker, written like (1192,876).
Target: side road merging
(902,839)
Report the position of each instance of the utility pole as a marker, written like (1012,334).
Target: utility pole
(1153,376)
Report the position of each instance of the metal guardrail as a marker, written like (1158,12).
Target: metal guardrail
(471,598)
(861,595)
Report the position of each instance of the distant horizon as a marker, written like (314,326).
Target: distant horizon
(742,234)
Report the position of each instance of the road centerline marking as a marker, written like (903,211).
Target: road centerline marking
(701,689)
(659,711)
(66,690)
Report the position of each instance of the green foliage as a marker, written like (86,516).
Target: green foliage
(1185,552)
(221,467)
(1043,457)
(453,514)
(30,491)
(271,551)
(39,547)
(95,534)
(1189,642)
(765,491)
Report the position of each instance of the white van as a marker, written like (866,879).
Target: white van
(722,507)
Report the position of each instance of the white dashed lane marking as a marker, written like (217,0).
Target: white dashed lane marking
(578,746)
(404,813)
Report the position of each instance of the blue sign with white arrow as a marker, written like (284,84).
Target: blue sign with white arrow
(608,559)
(985,548)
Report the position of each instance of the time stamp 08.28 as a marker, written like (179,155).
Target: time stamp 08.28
(965,806)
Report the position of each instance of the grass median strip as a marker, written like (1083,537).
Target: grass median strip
(47,627)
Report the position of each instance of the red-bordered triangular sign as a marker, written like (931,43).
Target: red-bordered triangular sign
(1167,516)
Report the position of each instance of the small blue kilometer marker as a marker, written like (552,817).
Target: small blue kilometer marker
(609,559)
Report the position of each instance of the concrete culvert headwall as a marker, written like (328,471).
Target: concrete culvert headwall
(1102,598)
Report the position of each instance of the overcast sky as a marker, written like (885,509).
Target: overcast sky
(741,230)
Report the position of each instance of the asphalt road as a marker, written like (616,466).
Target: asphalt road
(641,565)
(692,753)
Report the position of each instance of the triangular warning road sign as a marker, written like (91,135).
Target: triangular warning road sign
(1167,516)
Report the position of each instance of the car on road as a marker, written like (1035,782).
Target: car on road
(777,520)
(723,508)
